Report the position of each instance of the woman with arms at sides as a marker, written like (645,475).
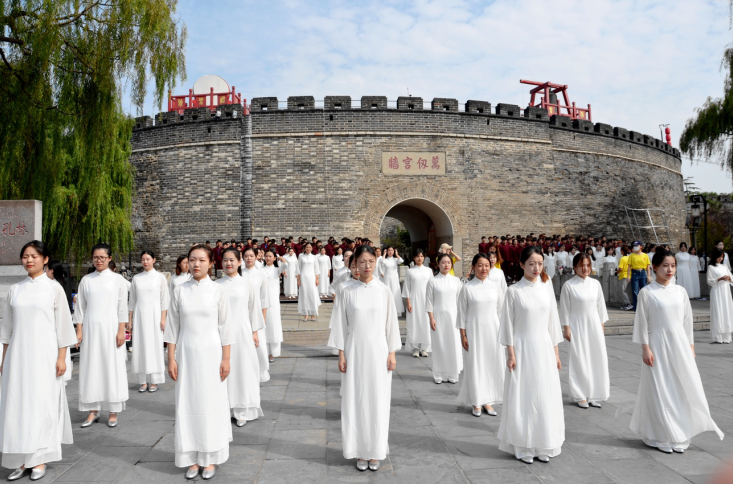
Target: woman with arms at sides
(273,322)
(308,279)
(149,300)
(290,281)
(694,273)
(418,323)
(530,329)
(479,308)
(366,333)
(243,384)
(324,267)
(441,303)
(684,277)
(36,332)
(337,261)
(583,315)
(720,279)
(496,274)
(101,317)
(199,345)
(671,407)
(390,272)
(256,277)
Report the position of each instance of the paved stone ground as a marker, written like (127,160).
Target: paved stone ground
(432,440)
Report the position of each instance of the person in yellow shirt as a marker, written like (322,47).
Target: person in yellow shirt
(640,270)
(447,249)
(624,276)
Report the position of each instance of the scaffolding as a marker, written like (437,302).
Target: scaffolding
(647,221)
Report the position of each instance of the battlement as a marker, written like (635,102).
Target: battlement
(404,104)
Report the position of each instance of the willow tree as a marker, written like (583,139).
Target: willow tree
(64,137)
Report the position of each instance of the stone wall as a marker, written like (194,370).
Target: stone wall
(317,172)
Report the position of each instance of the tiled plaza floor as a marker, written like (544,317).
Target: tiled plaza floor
(432,440)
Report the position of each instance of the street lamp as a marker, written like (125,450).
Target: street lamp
(694,223)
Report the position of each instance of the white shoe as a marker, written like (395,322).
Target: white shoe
(476,413)
(491,412)
(450,380)
(438,380)
(527,460)
(583,404)
(362,465)
(416,354)
(241,423)
(543,458)
(143,388)
(594,404)
(37,474)
(424,354)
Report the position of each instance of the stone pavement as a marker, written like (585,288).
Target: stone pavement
(432,440)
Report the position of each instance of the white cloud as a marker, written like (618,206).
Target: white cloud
(639,64)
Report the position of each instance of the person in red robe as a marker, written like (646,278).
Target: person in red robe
(483,247)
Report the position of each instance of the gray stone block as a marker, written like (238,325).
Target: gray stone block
(604,129)
(561,121)
(374,102)
(264,104)
(337,102)
(444,104)
(301,103)
(478,107)
(508,110)
(409,103)
(583,125)
(534,112)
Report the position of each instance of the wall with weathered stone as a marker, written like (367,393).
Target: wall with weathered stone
(318,172)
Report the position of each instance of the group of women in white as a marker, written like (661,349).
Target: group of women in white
(504,340)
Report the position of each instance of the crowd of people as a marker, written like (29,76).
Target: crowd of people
(496,332)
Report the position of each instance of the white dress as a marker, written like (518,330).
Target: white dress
(69,361)
(583,309)
(177,280)
(324,266)
(290,281)
(550,263)
(441,299)
(101,306)
(273,322)
(379,274)
(388,267)
(695,276)
(726,260)
(479,309)
(308,300)
(418,322)
(367,330)
(34,413)
(532,419)
(684,278)
(148,299)
(337,262)
(199,326)
(721,305)
(243,382)
(671,407)
(561,260)
(257,279)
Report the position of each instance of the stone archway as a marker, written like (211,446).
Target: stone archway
(420,208)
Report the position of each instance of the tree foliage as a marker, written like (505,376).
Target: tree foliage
(64,138)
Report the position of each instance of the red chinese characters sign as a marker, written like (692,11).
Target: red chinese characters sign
(413,163)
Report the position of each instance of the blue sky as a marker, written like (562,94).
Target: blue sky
(638,63)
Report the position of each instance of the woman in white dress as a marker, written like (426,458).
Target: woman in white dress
(532,421)
(101,317)
(441,303)
(181,274)
(55,271)
(418,323)
(583,315)
(290,279)
(337,261)
(719,279)
(324,267)
(720,246)
(149,300)
(199,341)
(561,262)
(694,273)
(256,277)
(273,323)
(684,277)
(36,332)
(671,407)
(550,261)
(367,334)
(243,383)
(496,274)
(479,308)
(378,252)
(390,272)
(308,280)
(590,252)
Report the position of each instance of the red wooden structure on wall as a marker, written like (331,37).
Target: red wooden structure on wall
(210,100)
(550,100)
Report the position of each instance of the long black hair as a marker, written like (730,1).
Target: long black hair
(180,259)
(38,245)
(528,251)
(660,255)
(715,255)
(364,248)
(59,273)
(274,253)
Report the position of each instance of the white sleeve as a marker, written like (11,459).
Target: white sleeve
(641,323)
(601,303)
(6,327)
(553,320)
(429,290)
(339,324)
(81,302)
(565,305)
(224,314)
(165,297)
(407,286)
(462,308)
(253,309)
(394,339)
(506,328)
(133,294)
(65,334)
(687,319)
(173,323)
(122,313)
